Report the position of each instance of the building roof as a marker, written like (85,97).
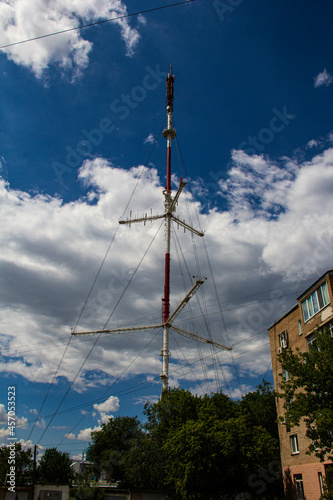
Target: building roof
(315,283)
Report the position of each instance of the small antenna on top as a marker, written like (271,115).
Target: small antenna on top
(169,84)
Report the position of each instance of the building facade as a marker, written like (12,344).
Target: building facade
(303,474)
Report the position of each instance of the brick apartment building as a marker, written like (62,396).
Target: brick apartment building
(303,474)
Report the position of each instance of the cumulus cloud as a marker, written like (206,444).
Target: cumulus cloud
(257,185)
(20,422)
(104,409)
(84,434)
(276,233)
(323,78)
(27,19)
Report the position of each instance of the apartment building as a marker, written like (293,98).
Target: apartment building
(303,474)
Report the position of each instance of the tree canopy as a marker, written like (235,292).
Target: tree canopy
(110,444)
(187,441)
(55,467)
(308,392)
(23,464)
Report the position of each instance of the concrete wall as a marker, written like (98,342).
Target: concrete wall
(51,492)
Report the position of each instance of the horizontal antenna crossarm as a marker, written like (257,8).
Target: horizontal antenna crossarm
(186,226)
(185,300)
(117,331)
(200,339)
(142,219)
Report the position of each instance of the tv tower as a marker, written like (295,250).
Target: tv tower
(170,203)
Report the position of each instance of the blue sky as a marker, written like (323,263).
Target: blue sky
(81,146)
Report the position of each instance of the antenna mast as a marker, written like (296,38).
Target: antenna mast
(169,215)
(169,133)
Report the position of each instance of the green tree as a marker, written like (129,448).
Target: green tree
(23,463)
(86,487)
(216,406)
(55,467)
(308,393)
(196,438)
(144,464)
(188,440)
(175,408)
(197,452)
(260,407)
(328,484)
(110,444)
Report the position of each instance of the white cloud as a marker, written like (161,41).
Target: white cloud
(4,432)
(256,184)
(29,444)
(142,20)
(239,392)
(152,399)
(323,78)
(150,139)
(27,19)
(104,409)
(277,230)
(20,422)
(84,434)
(313,144)
(41,424)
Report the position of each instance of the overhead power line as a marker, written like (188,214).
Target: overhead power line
(14,352)
(145,384)
(94,23)
(90,291)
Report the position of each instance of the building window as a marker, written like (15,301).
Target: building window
(311,341)
(298,479)
(330,327)
(283,340)
(315,302)
(321,482)
(294,444)
(285,375)
(300,330)
(284,422)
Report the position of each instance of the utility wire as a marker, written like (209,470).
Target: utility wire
(177,245)
(94,23)
(212,276)
(49,388)
(109,388)
(47,346)
(145,384)
(85,303)
(98,336)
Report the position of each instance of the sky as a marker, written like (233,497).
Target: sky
(81,116)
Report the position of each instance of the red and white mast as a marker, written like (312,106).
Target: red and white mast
(169,215)
(169,134)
